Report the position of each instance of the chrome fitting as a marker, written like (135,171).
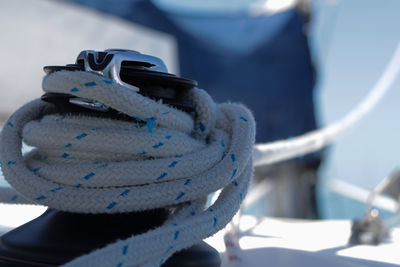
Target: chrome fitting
(110,62)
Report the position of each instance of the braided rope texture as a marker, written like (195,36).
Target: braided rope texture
(98,165)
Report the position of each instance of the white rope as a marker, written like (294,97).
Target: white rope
(56,182)
(97,165)
(285,149)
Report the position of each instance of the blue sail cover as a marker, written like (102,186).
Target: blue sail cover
(260,60)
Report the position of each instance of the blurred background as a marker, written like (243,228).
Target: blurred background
(299,65)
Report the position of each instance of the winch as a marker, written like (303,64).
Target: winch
(57,237)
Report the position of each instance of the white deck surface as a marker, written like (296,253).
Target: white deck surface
(287,242)
(275,242)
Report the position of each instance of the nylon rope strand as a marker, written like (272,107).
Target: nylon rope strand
(98,165)
(285,149)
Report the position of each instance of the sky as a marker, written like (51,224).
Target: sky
(352,43)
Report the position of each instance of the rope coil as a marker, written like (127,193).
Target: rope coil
(229,122)
(97,165)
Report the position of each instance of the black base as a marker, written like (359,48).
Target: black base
(57,237)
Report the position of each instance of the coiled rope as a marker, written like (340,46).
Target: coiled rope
(228,201)
(98,165)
